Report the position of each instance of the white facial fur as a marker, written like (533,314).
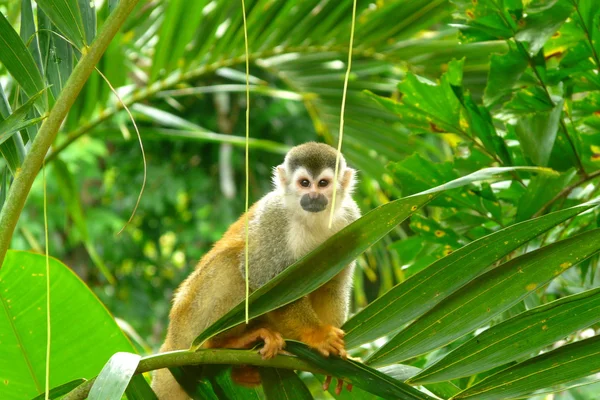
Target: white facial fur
(293,187)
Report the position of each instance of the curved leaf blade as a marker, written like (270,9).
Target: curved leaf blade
(114,377)
(357,374)
(486,296)
(573,361)
(429,287)
(517,337)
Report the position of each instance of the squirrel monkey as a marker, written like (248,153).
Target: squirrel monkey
(284,225)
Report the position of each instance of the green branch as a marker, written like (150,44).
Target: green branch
(185,357)
(35,157)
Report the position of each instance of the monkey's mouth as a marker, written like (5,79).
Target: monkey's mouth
(315,205)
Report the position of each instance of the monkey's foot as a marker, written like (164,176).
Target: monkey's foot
(326,340)
(246,376)
(274,343)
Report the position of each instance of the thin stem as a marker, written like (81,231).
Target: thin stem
(33,161)
(342,111)
(48,324)
(185,357)
(246,233)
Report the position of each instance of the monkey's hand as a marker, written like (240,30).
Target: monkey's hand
(326,339)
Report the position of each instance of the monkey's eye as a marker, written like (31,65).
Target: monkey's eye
(323,183)
(304,183)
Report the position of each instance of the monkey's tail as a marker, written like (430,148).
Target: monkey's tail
(246,375)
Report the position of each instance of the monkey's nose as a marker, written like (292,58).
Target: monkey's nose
(313,195)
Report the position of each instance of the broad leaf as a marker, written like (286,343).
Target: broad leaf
(77,319)
(486,296)
(429,287)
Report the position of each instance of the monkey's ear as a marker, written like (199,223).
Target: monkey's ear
(349,179)
(280,178)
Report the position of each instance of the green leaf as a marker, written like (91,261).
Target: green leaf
(402,373)
(77,319)
(88,16)
(482,126)
(484,16)
(28,33)
(60,390)
(436,102)
(59,64)
(114,377)
(16,121)
(283,384)
(538,27)
(212,382)
(19,62)
(537,133)
(139,389)
(357,374)
(486,296)
(322,264)
(505,70)
(180,24)
(573,361)
(193,381)
(66,16)
(423,291)
(12,150)
(517,337)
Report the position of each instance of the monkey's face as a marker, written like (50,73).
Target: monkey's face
(312,191)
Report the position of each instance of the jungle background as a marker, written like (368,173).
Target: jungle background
(438,89)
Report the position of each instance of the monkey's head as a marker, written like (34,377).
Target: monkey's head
(306,178)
